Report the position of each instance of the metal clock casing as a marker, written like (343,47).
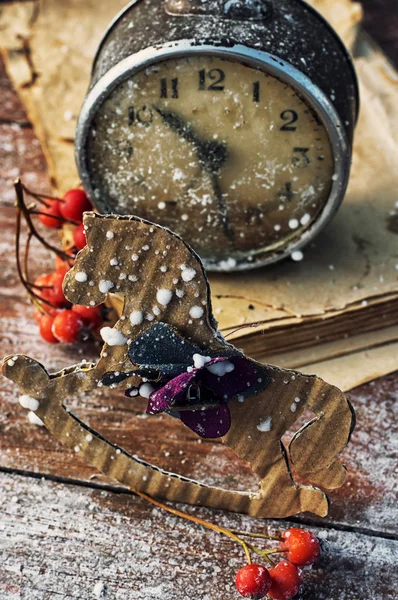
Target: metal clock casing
(287,39)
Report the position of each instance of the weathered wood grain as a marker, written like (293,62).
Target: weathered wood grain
(20,151)
(60,541)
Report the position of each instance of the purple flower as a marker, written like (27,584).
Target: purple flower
(200,394)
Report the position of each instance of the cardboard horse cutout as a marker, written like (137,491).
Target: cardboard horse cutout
(166,347)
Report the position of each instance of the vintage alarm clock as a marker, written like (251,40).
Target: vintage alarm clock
(229,121)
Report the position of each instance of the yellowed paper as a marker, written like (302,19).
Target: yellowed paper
(343,15)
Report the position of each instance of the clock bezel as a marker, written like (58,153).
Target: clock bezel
(259,59)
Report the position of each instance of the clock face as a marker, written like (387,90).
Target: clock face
(224,154)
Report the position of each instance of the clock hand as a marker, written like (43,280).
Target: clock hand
(222,206)
(211,155)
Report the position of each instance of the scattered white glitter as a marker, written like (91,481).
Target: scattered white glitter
(305,219)
(114,262)
(110,235)
(184,217)
(277,227)
(293,407)
(187,273)
(34,419)
(68,115)
(113,337)
(200,361)
(196,312)
(29,402)
(164,296)
(178,175)
(145,390)
(81,276)
(180,293)
(265,425)
(105,286)
(136,317)
(297,255)
(227,265)
(161,205)
(221,368)
(156,310)
(293,223)
(134,257)
(98,590)
(89,437)
(163,269)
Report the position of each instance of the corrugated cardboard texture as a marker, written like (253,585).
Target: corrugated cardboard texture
(131,259)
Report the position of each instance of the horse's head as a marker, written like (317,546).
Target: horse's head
(159,276)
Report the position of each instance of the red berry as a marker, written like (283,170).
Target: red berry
(91,315)
(286,581)
(75,203)
(38,314)
(45,327)
(44,281)
(302,547)
(52,210)
(62,266)
(253,581)
(79,237)
(67,326)
(57,295)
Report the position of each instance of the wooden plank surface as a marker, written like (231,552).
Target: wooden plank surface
(59,540)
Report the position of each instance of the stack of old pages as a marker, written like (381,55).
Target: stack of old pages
(335,313)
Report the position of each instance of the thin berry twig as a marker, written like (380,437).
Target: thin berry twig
(22,209)
(262,536)
(247,546)
(35,298)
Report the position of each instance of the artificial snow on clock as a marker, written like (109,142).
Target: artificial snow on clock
(230,122)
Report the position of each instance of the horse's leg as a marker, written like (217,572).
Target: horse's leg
(280,496)
(51,393)
(331,430)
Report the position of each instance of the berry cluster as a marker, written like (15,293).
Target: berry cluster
(59,321)
(283,581)
(69,209)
